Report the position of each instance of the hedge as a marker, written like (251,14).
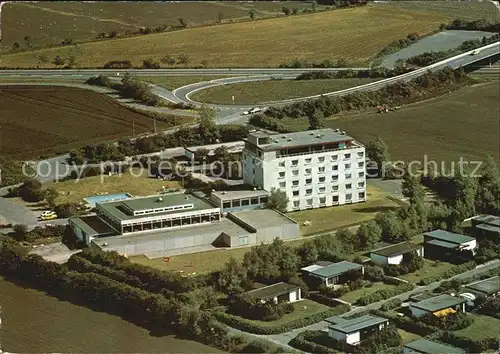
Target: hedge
(303,341)
(455,270)
(471,345)
(257,328)
(391,304)
(385,294)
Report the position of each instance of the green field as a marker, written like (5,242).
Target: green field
(353,296)
(273,90)
(463,123)
(470,10)
(430,269)
(483,327)
(48,23)
(355,34)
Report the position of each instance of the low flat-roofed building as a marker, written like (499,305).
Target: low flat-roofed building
(230,201)
(278,293)
(266,225)
(486,226)
(441,244)
(486,288)
(424,346)
(233,147)
(331,274)
(88,227)
(439,306)
(355,330)
(394,254)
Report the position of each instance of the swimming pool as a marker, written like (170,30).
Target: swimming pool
(107,198)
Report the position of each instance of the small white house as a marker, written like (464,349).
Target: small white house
(355,330)
(439,306)
(279,292)
(394,254)
(440,241)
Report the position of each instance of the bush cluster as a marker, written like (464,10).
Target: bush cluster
(391,304)
(470,345)
(379,72)
(399,44)
(385,294)
(408,324)
(451,322)
(257,328)
(307,341)
(475,25)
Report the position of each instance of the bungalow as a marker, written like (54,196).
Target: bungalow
(279,292)
(331,274)
(485,288)
(486,226)
(394,254)
(440,244)
(355,330)
(439,306)
(425,346)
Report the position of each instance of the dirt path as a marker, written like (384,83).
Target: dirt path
(71,14)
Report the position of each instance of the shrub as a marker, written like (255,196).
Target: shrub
(118,64)
(391,304)
(66,210)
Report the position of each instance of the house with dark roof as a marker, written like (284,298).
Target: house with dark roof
(355,330)
(394,254)
(485,288)
(331,274)
(441,244)
(424,346)
(439,306)
(278,293)
(486,226)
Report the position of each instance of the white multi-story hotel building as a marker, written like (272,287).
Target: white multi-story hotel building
(316,168)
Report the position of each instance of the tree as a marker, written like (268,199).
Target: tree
(150,63)
(369,233)
(412,188)
(295,11)
(251,13)
(377,152)
(220,17)
(488,191)
(286,11)
(67,41)
(15,47)
(277,200)
(169,60)
(50,196)
(313,7)
(27,40)
(348,238)
(206,125)
(20,230)
(183,22)
(391,225)
(113,34)
(316,120)
(58,61)
(183,59)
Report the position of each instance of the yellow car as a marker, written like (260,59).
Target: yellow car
(48,217)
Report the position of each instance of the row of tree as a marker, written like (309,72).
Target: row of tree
(474,25)
(397,93)
(379,72)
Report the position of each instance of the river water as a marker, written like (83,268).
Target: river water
(34,322)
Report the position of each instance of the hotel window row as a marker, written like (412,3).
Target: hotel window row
(320,159)
(322,200)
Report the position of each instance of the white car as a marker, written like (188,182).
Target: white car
(475,52)
(47,212)
(245,113)
(255,110)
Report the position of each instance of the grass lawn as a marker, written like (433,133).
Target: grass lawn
(429,270)
(443,129)
(327,219)
(483,327)
(470,10)
(353,296)
(303,309)
(173,82)
(263,43)
(273,90)
(75,190)
(201,262)
(407,337)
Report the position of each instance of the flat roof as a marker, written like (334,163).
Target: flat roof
(449,236)
(153,202)
(443,244)
(272,290)
(421,296)
(216,228)
(232,147)
(439,302)
(488,286)
(396,249)
(304,138)
(488,227)
(488,219)
(334,269)
(259,218)
(230,195)
(429,347)
(355,324)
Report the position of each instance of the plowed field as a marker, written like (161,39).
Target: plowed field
(46,120)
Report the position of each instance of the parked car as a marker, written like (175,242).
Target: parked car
(47,212)
(48,217)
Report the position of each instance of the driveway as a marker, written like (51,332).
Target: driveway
(15,213)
